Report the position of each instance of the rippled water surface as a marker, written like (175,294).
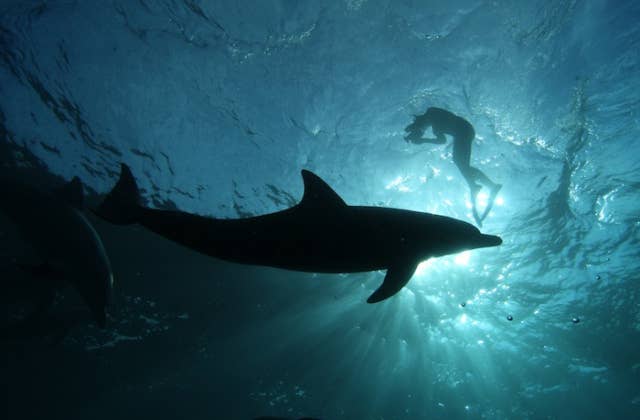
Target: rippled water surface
(218,105)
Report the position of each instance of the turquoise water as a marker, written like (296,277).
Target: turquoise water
(218,105)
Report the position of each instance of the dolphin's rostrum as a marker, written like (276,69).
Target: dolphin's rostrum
(320,234)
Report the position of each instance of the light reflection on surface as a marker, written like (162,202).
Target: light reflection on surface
(398,183)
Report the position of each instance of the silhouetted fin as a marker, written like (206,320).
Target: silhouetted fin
(397,276)
(122,204)
(318,194)
(71,193)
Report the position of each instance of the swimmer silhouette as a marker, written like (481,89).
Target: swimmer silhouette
(444,122)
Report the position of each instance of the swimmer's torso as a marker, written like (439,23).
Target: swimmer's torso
(445,122)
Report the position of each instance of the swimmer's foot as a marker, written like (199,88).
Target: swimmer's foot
(495,190)
(475,189)
(492,198)
(475,216)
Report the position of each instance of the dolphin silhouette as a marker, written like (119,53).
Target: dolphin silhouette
(320,234)
(283,418)
(63,238)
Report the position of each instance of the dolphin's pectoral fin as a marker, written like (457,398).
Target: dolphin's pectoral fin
(398,275)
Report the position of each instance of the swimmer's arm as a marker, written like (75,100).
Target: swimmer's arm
(439,139)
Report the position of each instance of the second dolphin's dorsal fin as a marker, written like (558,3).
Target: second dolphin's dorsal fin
(318,194)
(71,193)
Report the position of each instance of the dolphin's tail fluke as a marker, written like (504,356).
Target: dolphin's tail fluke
(122,204)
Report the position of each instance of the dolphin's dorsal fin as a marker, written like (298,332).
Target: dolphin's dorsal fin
(318,194)
(71,193)
(398,275)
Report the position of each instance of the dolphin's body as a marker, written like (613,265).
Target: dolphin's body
(62,237)
(320,234)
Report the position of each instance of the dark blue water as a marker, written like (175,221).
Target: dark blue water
(218,105)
